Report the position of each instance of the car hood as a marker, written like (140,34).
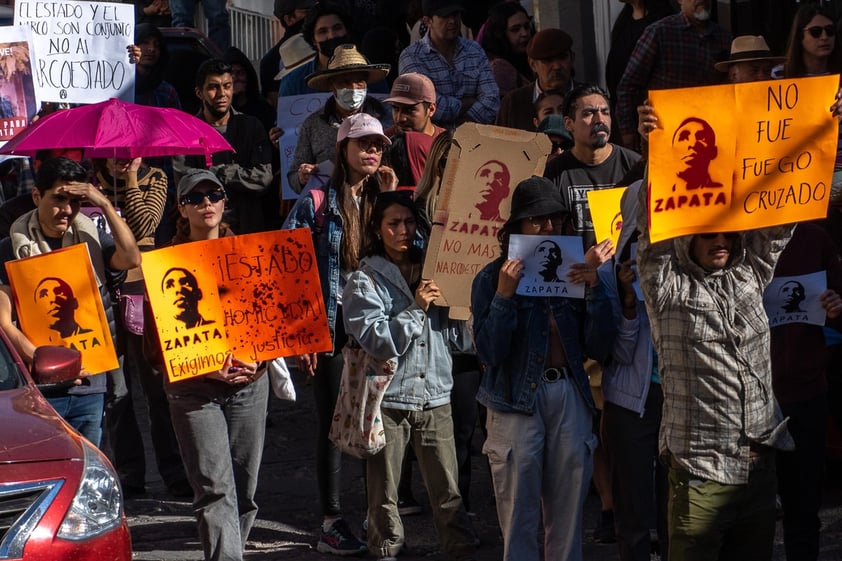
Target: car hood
(31,430)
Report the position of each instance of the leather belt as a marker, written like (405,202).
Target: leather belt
(555,374)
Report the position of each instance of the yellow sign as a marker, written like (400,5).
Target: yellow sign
(257,296)
(65,308)
(741,156)
(605,213)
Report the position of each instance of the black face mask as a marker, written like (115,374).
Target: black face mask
(328,46)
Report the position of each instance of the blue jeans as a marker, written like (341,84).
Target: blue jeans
(220,431)
(219,27)
(82,412)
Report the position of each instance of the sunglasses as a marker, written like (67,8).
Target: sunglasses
(726,235)
(816,30)
(197,197)
(367,142)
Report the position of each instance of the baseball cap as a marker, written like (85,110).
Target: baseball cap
(288,6)
(412,88)
(441,8)
(359,125)
(193,177)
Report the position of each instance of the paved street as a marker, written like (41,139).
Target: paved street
(163,529)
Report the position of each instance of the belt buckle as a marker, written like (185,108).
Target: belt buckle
(552,374)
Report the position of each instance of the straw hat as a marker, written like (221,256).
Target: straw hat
(346,59)
(748,47)
(295,51)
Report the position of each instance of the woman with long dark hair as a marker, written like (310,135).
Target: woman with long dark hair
(507,33)
(812,49)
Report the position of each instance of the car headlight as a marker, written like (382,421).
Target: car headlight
(97,506)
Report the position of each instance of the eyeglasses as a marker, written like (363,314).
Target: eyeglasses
(726,235)
(196,198)
(366,143)
(816,30)
(537,222)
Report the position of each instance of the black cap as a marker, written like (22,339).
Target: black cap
(441,8)
(535,196)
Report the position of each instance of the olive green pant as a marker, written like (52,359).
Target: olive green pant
(710,521)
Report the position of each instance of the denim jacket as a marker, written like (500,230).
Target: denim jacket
(512,335)
(381,314)
(326,244)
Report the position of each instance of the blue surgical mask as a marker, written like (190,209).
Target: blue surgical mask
(350,99)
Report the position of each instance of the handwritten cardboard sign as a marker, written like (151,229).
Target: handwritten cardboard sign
(741,156)
(546,262)
(484,166)
(58,303)
(81,49)
(605,213)
(796,299)
(292,110)
(19,94)
(257,296)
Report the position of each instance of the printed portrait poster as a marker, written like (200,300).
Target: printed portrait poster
(19,94)
(265,300)
(484,166)
(58,303)
(796,299)
(546,261)
(741,156)
(605,213)
(80,48)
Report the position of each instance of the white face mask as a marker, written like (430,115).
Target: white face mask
(350,99)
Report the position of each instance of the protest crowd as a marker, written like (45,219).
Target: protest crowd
(654,370)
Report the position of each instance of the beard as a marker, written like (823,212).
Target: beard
(214,112)
(702,15)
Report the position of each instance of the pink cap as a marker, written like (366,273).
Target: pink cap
(412,88)
(359,125)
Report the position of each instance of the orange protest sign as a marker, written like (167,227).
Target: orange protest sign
(605,213)
(767,161)
(263,300)
(65,308)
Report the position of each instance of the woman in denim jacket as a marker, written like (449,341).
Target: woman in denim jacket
(389,312)
(337,222)
(540,445)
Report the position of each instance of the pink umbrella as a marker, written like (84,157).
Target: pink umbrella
(117,129)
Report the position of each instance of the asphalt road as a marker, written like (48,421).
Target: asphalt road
(164,529)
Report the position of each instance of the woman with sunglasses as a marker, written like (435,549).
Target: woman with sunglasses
(540,410)
(389,312)
(219,418)
(812,49)
(337,215)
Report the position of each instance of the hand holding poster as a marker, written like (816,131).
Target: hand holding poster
(796,299)
(605,213)
(63,309)
(80,48)
(547,261)
(767,162)
(257,296)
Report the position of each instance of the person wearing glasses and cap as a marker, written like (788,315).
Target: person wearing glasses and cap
(540,410)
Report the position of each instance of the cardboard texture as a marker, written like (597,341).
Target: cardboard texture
(484,166)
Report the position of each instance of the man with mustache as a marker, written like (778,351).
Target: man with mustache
(551,58)
(678,51)
(593,162)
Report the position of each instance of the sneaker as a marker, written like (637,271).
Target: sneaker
(339,540)
(408,507)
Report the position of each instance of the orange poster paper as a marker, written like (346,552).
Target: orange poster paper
(65,308)
(265,295)
(605,213)
(741,156)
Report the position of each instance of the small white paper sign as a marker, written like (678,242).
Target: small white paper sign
(796,299)
(547,260)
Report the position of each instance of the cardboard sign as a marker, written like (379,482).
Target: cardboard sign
(19,94)
(257,296)
(484,166)
(81,49)
(605,213)
(741,156)
(796,299)
(546,261)
(58,303)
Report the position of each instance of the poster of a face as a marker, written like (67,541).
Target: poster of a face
(19,99)
(796,299)
(547,260)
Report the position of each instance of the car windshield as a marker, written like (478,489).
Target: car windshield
(10,375)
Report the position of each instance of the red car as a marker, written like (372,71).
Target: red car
(59,496)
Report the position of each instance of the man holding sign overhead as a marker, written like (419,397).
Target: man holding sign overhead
(56,223)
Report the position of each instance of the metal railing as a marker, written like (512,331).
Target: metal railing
(251,32)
